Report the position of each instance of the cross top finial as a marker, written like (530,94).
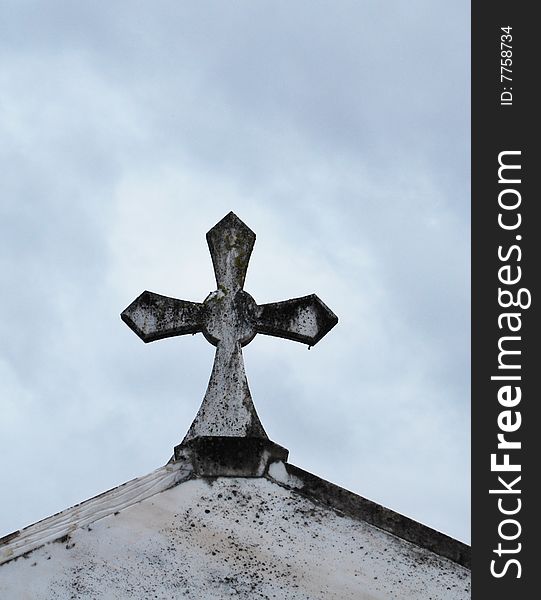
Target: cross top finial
(229,319)
(231,243)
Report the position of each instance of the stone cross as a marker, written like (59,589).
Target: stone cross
(229,318)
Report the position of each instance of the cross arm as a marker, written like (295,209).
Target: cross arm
(154,317)
(304,320)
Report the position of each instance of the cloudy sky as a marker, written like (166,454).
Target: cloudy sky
(339,132)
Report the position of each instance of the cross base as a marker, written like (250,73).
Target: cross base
(222,456)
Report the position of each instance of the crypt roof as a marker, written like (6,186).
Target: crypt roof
(228,507)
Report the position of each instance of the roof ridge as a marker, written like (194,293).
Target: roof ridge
(357,507)
(107,503)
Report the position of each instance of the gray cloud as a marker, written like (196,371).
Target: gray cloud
(339,133)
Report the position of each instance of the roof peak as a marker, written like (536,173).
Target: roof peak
(178,472)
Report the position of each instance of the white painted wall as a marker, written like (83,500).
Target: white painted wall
(239,538)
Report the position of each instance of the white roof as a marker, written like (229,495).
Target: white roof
(169,535)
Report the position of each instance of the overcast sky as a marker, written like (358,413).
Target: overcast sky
(337,131)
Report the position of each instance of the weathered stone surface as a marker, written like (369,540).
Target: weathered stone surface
(229,319)
(357,507)
(54,528)
(230,243)
(305,319)
(229,456)
(225,537)
(154,317)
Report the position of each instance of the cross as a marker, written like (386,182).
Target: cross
(229,319)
